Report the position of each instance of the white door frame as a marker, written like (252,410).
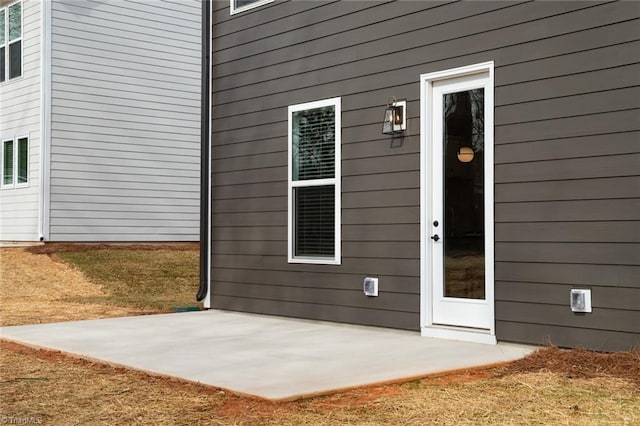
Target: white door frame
(428,328)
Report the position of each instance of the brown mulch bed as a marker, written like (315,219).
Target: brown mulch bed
(578,363)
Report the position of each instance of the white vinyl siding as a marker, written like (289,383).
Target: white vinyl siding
(19,118)
(125,126)
(314,182)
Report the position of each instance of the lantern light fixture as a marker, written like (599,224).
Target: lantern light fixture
(395,117)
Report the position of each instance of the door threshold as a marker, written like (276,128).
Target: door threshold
(458,333)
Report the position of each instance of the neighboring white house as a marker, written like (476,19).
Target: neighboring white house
(100,120)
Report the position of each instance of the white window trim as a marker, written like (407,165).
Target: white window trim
(336,181)
(16,165)
(7,42)
(258,3)
(14,182)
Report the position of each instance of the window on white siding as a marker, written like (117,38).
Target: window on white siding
(314,182)
(11,41)
(15,162)
(242,5)
(7,162)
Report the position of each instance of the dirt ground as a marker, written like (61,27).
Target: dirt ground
(551,386)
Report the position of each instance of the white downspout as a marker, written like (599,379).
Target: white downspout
(207,300)
(45,119)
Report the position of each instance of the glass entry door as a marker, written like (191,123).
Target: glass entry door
(458,234)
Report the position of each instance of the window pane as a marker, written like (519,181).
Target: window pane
(15,59)
(23,160)
(7,162)
(313,138)
(2,28)
(2,63)
(315,220)
(15,21)
(464,254)
(241,3)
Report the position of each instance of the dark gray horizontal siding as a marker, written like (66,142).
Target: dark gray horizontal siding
(604,340)
(351,298)
(559,190)
(392,284)
(424,42)
(569,85)
(590,103)
(571,168)
(225,151)
(587,232)
(386,27)
(567,182)
(322,312)
(567,127)
(354,265)
(573,147)
(558,315)
(605,297)
(627,209)
(568,273)
(556,252)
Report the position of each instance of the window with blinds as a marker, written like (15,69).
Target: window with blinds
(314,182)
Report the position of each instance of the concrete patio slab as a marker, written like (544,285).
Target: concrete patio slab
(270,357)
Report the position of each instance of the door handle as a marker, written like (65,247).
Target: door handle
(435,237)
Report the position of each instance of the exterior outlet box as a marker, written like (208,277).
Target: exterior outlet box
(370,286)
(580,300)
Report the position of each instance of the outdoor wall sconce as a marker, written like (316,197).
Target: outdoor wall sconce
(395,117)
(465,154)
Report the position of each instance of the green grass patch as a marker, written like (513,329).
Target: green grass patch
(158,280)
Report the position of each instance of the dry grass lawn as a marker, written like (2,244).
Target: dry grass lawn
(552,386)
(37,289)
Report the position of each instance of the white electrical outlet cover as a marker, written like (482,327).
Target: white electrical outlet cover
(580,300)
(370,286)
